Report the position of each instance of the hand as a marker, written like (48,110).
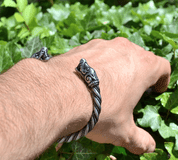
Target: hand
(125,71)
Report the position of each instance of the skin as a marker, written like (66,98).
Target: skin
(49,100)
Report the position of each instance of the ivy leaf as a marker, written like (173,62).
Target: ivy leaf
(156,155)
(59,12)
(159,35)
(164,98)
(102,157)
(137,39)
(147,29)
(72,30)
(60,45)
(5,59)
(169,131)
(32,46)
(48,41)
(174,110)
(119,150)
(174,78)
(169,101)
(151,117)
(9,3)
(165,131)
(22,4)
(169,148)
(172,101)
(14,51)
(120,16)
(79,10)
(75,40)
(82,152)
(169,40)
(37,30)
(176,143)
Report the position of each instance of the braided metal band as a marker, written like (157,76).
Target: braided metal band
(92,81)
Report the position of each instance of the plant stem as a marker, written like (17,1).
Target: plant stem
(167,115)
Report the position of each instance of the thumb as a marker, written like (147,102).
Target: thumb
(140,142)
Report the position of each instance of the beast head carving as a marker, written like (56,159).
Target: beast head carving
(87,73)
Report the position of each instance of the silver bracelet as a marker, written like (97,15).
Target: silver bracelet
(92,81)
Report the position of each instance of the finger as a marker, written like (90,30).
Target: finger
(112,157)
(163,75)
(140,142)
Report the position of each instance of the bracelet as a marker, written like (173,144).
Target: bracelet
(92,82)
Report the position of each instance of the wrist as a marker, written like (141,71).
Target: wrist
(77,105)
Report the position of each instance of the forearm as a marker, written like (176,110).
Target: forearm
(38,106)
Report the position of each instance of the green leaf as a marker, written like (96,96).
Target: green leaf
(79,10)
(169,131)
(171,41)
(3,43)
(22,4)
(159,35)
(119,150)
(151,117)
(147,29)
(174,78)
(137,39)
(102,157)
(19,17)
(158,154)
(48,41)
(60,45)
(32,46)
(9,22)
(172,101)
(120,16)
(14,51)
(9,3)
(82,152)
(29,13)
(75,40)
(23,33)
(59,12)
(164,98)
(37,30)
(169,148)
(156,34)
(5,59)
(174,110)
(72,30)
(176,143)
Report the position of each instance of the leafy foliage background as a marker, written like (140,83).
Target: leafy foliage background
(60,25)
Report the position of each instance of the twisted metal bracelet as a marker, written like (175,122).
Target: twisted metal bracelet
(92,81)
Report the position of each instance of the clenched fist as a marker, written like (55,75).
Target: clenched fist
(125,71)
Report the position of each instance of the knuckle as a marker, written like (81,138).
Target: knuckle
(120,42)
(123,39)
(96,40)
